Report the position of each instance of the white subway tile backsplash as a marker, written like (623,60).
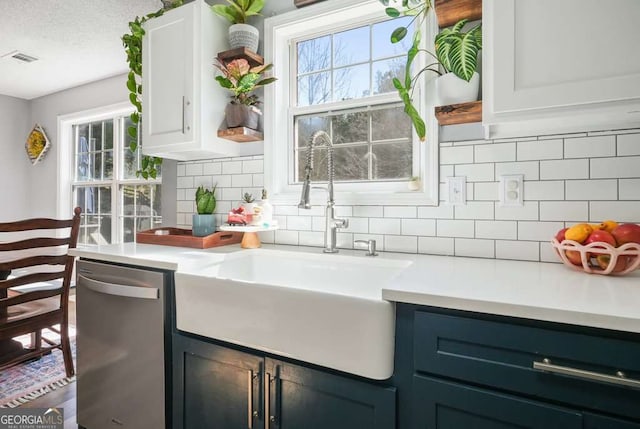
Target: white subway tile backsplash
(286,237)
(455,228)
(401,212)
(474,248)
(267,237)
(475,210)
(418,227)
(204,181)
(181,170)
(435,245)
(185,182)
(342,211)
(378,238)
(475,172)
(530,169)
(221,181)
(529,211)
(564,169)
(398,243)
(544,190)
(186,207)
(456,155)
(258,180)
(628,144)
(384,226)
(592,189)
(621,211)
(318,223)
(548,253)
(614,168)
(539,150)
(344,240)
(538,231)
(630,189)
(212,168)
(367,211)
(443,211)
(311,238)
(562,136)
(445,171)
(498,152)
(194,169)
(500,229)
(590,147)
(564,210)
(520,250)
(357,225)
(253,166)
(232,194)
(242,180)
(485,191)
(234,167)
(299,223)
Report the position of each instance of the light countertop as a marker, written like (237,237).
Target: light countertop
(532,290)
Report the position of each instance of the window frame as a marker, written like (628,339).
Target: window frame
(67,182)
(281,34)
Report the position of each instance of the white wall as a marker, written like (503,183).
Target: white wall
(15,168)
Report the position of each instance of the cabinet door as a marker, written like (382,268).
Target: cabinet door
(215,387)
(439,404)
(593,421)
(300,397)
(561,60)
(168,50)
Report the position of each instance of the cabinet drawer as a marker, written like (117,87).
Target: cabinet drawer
(502,355)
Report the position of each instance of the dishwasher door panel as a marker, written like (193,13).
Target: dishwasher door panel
(120,347)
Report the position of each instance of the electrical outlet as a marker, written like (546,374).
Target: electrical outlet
(512,190)
(457,190)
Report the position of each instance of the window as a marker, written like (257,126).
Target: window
(115,204)
(335,65)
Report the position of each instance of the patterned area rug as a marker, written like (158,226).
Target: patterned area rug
(28,381)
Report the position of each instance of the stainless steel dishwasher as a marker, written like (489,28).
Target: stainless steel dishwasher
(121,335)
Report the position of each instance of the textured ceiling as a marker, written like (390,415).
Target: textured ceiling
(76,41)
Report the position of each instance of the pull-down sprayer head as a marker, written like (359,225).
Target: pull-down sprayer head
(305,202)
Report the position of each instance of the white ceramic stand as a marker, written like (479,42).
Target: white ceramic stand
(250,239)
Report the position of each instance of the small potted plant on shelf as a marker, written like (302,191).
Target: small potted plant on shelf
(241,79)
(455,51)
(237,12)
(248,203)
(204,222)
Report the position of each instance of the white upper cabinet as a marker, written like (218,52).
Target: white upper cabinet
(182,104)
(560,66)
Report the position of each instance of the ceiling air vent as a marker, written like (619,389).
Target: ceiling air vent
(20,56)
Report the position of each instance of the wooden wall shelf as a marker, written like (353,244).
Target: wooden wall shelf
(233,54)
(456,114)
(241,135)
(451,11)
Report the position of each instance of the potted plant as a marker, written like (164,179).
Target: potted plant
(241,34)
(204,222)
(248,203)
(456,53)
(239,78)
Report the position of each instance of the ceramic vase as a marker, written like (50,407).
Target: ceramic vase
(240,115)
(203,225)
(450,89)
(244,35)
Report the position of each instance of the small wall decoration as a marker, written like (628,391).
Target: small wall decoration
(37,144)
(300,3)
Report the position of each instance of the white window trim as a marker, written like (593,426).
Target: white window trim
(66,167)
(278,128)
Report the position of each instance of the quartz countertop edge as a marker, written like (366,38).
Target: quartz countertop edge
(529,290)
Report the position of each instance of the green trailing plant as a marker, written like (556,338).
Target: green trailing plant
(206,200)
(238,11)
(132,43)
(242,79)
(456,52)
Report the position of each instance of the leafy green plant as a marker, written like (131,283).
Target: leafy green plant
(205,200)
(248,198)
(132,43)
(241,79)
(456,52)
(237,11)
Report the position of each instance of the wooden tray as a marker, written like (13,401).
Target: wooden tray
(183,238)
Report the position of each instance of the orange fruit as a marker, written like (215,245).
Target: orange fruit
(579,232)
(608,225)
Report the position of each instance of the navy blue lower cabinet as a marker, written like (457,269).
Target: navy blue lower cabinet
(593,421)
(215,387)
(304,398)
(440,404)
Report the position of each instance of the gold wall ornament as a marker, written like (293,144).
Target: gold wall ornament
(37,144)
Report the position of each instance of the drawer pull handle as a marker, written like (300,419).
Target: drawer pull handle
(619,379)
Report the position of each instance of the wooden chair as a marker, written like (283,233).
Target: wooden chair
(32,311)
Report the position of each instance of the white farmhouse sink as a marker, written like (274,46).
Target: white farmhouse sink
(322,309)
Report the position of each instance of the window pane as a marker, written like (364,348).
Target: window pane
(314,89)
(108,164)
(381,38)
(95,167)
(351,163)
(350,127)
(351,47)
(390,124)
(309,125)
(392,160)
(351,82)
(95,203)
(108,134)
(314,55)
(383,73)
(157,199)
(96,136)
(319,165)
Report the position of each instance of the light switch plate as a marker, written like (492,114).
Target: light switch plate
(512,190)
(457,190)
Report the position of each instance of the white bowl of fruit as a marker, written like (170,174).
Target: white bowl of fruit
(607,248)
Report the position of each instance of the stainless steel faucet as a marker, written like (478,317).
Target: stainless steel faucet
(332,224)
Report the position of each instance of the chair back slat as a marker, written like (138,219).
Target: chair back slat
(33,261)
(30,296)
(31,278)
(33,243)
(33,224)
